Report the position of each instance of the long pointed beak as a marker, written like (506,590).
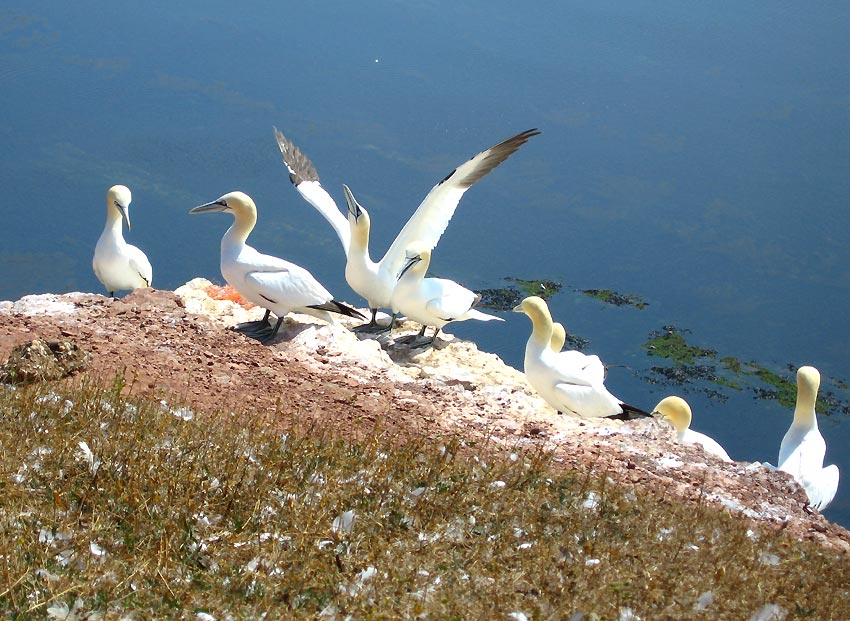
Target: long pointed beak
(518,309)
(410,263)
(124,213)
(353,205)
(216,205)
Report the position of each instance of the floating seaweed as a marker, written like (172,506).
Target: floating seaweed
(693,365)
(617,299)
(505,298)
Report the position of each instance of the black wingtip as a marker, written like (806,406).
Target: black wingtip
(495,155)
(338,307)
(630,412)
(300,167)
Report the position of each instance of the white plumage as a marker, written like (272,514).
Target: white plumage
(117,264)
(375,281)
(432,301)
(803,448)
(569,381)
(677,412)
(269,282)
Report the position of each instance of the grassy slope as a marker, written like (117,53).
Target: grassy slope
(110,505)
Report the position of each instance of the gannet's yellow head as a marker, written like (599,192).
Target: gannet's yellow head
(417,257)
(808,383)
(675,411)
(541,319)
(237,203)
(358,218)
(559,337)
(533,306)
(118,197)
(808,377)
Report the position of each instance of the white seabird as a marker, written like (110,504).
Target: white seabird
(375,281)
(677,412)
(432,301)
(569,381)
(117,264)
(269,282)
(803,448)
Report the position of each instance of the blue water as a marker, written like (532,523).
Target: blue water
(694,153)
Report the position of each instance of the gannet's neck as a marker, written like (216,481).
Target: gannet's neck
(541,325)
(359,244)
(114,223)
(244,221)
(808,382)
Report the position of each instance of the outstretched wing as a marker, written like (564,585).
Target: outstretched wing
(431,218)
(305,178)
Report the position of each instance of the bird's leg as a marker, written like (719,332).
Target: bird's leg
(270,337)
(372,326)
(260,325)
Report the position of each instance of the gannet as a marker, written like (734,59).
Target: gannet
(559,337)
(276,285)
(677,412)
(803,448)
(432,301)
(569,381)
(117,264)
(375,281)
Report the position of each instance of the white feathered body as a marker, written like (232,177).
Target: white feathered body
(569,381)
(435,301)
(271,282)
(118,265)
(712,446)
(803,448)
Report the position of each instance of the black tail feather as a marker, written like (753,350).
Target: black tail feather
(630,412)
(338,307)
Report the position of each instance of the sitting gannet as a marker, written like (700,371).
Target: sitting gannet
(117,264)
(375,281)
(677,412)
(271,283)
(569,381)
(432,301)
(803,448)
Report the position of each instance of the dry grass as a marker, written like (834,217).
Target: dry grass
(120,509)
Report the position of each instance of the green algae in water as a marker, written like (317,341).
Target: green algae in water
(541,288)
(505,298)
(784,390)
(672,345)
(617,299)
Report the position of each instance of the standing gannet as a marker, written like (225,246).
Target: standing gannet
(677,412)
(803,448)
(271,283)
(432,301)
(569,381)
(375,281)
(117,264)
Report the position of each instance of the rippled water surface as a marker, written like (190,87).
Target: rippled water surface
(694,154)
